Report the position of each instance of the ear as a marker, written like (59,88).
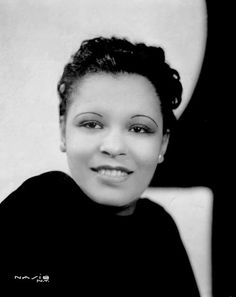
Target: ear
(63,134)
(164,145)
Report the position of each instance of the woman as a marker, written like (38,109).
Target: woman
(91,230)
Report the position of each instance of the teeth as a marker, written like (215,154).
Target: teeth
(113,173)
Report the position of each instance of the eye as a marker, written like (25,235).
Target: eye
(140,129)
(91,125)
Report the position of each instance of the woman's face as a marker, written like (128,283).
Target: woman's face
(113,136)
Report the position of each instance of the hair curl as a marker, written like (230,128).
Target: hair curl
(115,55)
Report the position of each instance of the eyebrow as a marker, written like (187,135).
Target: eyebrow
(142,115)
(137,115)
(91,112)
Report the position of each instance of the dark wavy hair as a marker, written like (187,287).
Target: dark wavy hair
(115,55)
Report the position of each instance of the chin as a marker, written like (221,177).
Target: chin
(111,202)
(114,201)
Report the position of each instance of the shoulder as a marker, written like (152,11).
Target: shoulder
(45,178)
(38,187)
(152,209)
(156,216)
(167,245)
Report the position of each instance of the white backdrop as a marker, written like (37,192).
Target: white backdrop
(37,38)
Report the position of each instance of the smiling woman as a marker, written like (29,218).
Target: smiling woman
(116,116)
(128,136)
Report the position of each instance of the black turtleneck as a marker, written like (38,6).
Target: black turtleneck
(50,227)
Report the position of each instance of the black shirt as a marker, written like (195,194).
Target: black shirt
(53,235)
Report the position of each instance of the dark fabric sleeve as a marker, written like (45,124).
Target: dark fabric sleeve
(185,280)
(172,271)
(178,267)
(13,226)
(27,226)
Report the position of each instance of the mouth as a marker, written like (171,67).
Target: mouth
(118,172)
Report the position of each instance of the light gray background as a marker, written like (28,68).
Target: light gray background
(37,38)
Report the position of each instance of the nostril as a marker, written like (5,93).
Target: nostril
(113,154)
(105,152)
(113,146)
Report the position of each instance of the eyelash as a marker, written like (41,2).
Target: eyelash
(144,128)
(87,123)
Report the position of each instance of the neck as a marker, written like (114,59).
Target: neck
(127,210)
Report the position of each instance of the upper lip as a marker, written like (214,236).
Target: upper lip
(109,167)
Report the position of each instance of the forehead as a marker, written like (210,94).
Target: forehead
(126,93)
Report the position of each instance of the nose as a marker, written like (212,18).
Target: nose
(113,144)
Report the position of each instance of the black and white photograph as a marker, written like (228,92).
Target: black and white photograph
(110,149)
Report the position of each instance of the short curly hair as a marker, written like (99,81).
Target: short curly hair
(115,55)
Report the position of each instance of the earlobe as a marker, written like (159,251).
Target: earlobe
(164,146)
(160,158)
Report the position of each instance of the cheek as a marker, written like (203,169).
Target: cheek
(78,147)
(146,154)
(78,152)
